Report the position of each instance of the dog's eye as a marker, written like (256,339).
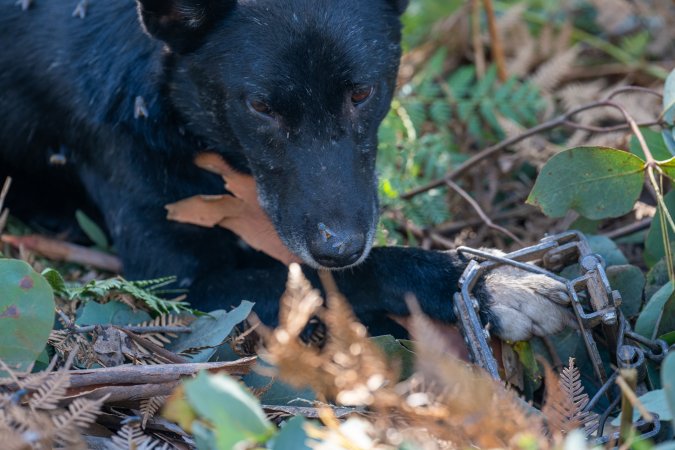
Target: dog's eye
(260,107)
(361,94)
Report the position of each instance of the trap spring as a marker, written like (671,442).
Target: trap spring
(592,300)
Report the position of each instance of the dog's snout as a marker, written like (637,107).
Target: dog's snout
(336,249)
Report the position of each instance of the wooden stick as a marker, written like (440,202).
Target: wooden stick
(65,251)
(497,49)
(162,373)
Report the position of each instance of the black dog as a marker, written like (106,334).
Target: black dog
(291,91)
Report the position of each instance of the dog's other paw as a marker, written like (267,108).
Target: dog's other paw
(520,304)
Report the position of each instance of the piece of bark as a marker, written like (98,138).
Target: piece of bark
(64,251)
(240,212)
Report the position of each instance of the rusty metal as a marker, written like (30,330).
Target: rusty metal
(592,300)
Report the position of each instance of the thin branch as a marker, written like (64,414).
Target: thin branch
(641,89)
(72,326)
(629,229)
(495,40)
(478,49)
(465,195)
(608,129)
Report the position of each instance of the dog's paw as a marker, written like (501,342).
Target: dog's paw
(521,304)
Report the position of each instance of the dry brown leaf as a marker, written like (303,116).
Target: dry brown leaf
(240,212)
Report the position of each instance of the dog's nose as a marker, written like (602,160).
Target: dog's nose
(336,249)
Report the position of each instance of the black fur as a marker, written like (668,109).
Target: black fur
(268,84)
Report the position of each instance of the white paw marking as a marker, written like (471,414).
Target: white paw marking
(527,304)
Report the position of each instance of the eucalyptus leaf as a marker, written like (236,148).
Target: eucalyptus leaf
(114,313)
(630,282)
(654,140)
(668,168)
(668,382)
(648,321)
(608,249)
(654,242)
(597,182)
(654,401)
(291,436)
(26,314)
(235,414)
(669,99)
(210,331)
(397,354)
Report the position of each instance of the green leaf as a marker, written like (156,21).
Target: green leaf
(210,331)
(654,242)
(397,354)
(234,413)
(669,99)
(92,230)
(654,401)
(670,445)
(115,313)
(656,277)
(667,323)
(668,168)
(654,142)
(669,139)
(668,382)
(55,280)
(648,321)
(669,338)
(630,282)
(291,436)
(528,359)
(597,182)
(608,249)
(26,314)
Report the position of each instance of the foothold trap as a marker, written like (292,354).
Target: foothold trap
(601,324)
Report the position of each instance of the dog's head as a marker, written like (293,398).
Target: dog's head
(297,90)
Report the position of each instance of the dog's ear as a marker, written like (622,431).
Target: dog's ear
(181,23)
(399,5)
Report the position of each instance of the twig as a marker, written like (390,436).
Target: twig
(65,251)
(159,353)
(478,50)
(625,89)
(628,229)
(465,195)
(4,213)
(495,40)
(627,381)
(161,373)
(134,329)
(608,129)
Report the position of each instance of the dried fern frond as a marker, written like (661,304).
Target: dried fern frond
(81,413)
(462,402)
(549,75)
(34,427)
(52,391)
(150,406)
(348,368)
(565,401)
(131,437)
(570,382)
